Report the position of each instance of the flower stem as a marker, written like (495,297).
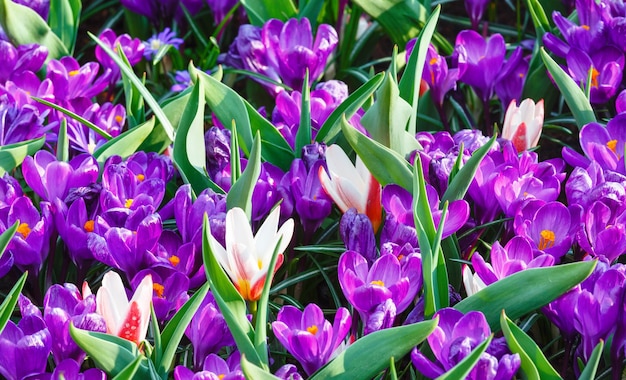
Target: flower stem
(252,305)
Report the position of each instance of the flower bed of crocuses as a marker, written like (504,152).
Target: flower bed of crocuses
(263,189)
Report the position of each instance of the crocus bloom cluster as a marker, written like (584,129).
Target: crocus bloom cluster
(308,336)
(455,337)
(246,257)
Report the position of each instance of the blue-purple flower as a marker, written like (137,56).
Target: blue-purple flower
(155,43)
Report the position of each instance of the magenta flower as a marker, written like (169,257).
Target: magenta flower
(18,60)
(308,336)
(475,10)
(158,11)
(132,47)
(439,78)
(69,369)
(357,234)
(605,67)
(72,81)
(603,232)
(550,229)
(170,290)
(455,337)
(214,368)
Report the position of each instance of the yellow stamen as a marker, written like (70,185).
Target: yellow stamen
(612,145)
(174,260)
(158,289)
(259,263)
(24,230)
(221,376)
(377,282)
(73,73)
(594,76)
(88,226)
(140,177)
(586,27)
(433,60)
(128,203)
(119,119)
(546,240)
(312,329)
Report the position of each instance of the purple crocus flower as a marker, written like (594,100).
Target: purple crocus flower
(205,340)
(604,145)
(19,123)
(31,243)
(586,186)
(301,190)
(510,81)
(52,179)
(266,195)
(288,372)
(220,8)
(157,41)
(214,368)
(357,234)
(604,231)
(517,255)
(158,11)
(74,224)
(475,10)
(16,61)
(367,288)
(308,336)
(455,337)
(132,47)
(69,369)
(550,228)
(439,78)
(605,67)
(147,165)
(72,81)
(170,290)
(479,57)
(63,304)
(182,80)
(25,347)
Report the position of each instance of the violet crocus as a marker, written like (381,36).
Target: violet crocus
(19,123)
(214,368)
(308,336)
(480,56)
(25,347)
(52,179)
(475,10)
(132,47)
(74,224)
(170,290)
(605,67)
(72,81)
(454,338)
(205,340)
(604,231)
(510,81)
(439,78)
(18,60)
(69,369)
(160,40)
(367,288)
(158,11)
(586,186)
(357,234)
(604,145)
(550,228)
(64,304)
(517,255)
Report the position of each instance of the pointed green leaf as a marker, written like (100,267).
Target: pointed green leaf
(573,95)
(135,109)
(75,116)
(465,366)
(460,183)
(63,19)
(231,304)
(175,329)
(589,373)
(538,15)
(260,11)
(311,11)
(8,304)
(228,106)
(534,363)
(412,77)
(125,144)
(385,165)
(547,284)
(63,143)
(173,108)
(154,105)
(349,107)
(189,150)
(370,354)
(386,120)
(24,26)
(253,372)
(131,369)
(240,194)
(235,159)
(157,351)
(12,155)
(303,135)
(110,353)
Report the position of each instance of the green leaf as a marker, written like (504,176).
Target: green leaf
(573,95)
(540,286)
(412,77)
(75,116)
(401,19)
(349,107)
(8,305)
(173,109)
(175,329)
(589,373)
(465,366)
(260,11)
(385,165)
(303,135)
(370,354)
(24,26)
(538,15)
(189,150)
(125,144)
(240,194)
(235,159)
(231,304)
(12,155)
(228,106)
(460,183)
(135,109)
(154,105)
(112,354)
(253,372)
(63,143)
(63,19)
(534,363)
(386,120)
(311,11)
(131,369)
